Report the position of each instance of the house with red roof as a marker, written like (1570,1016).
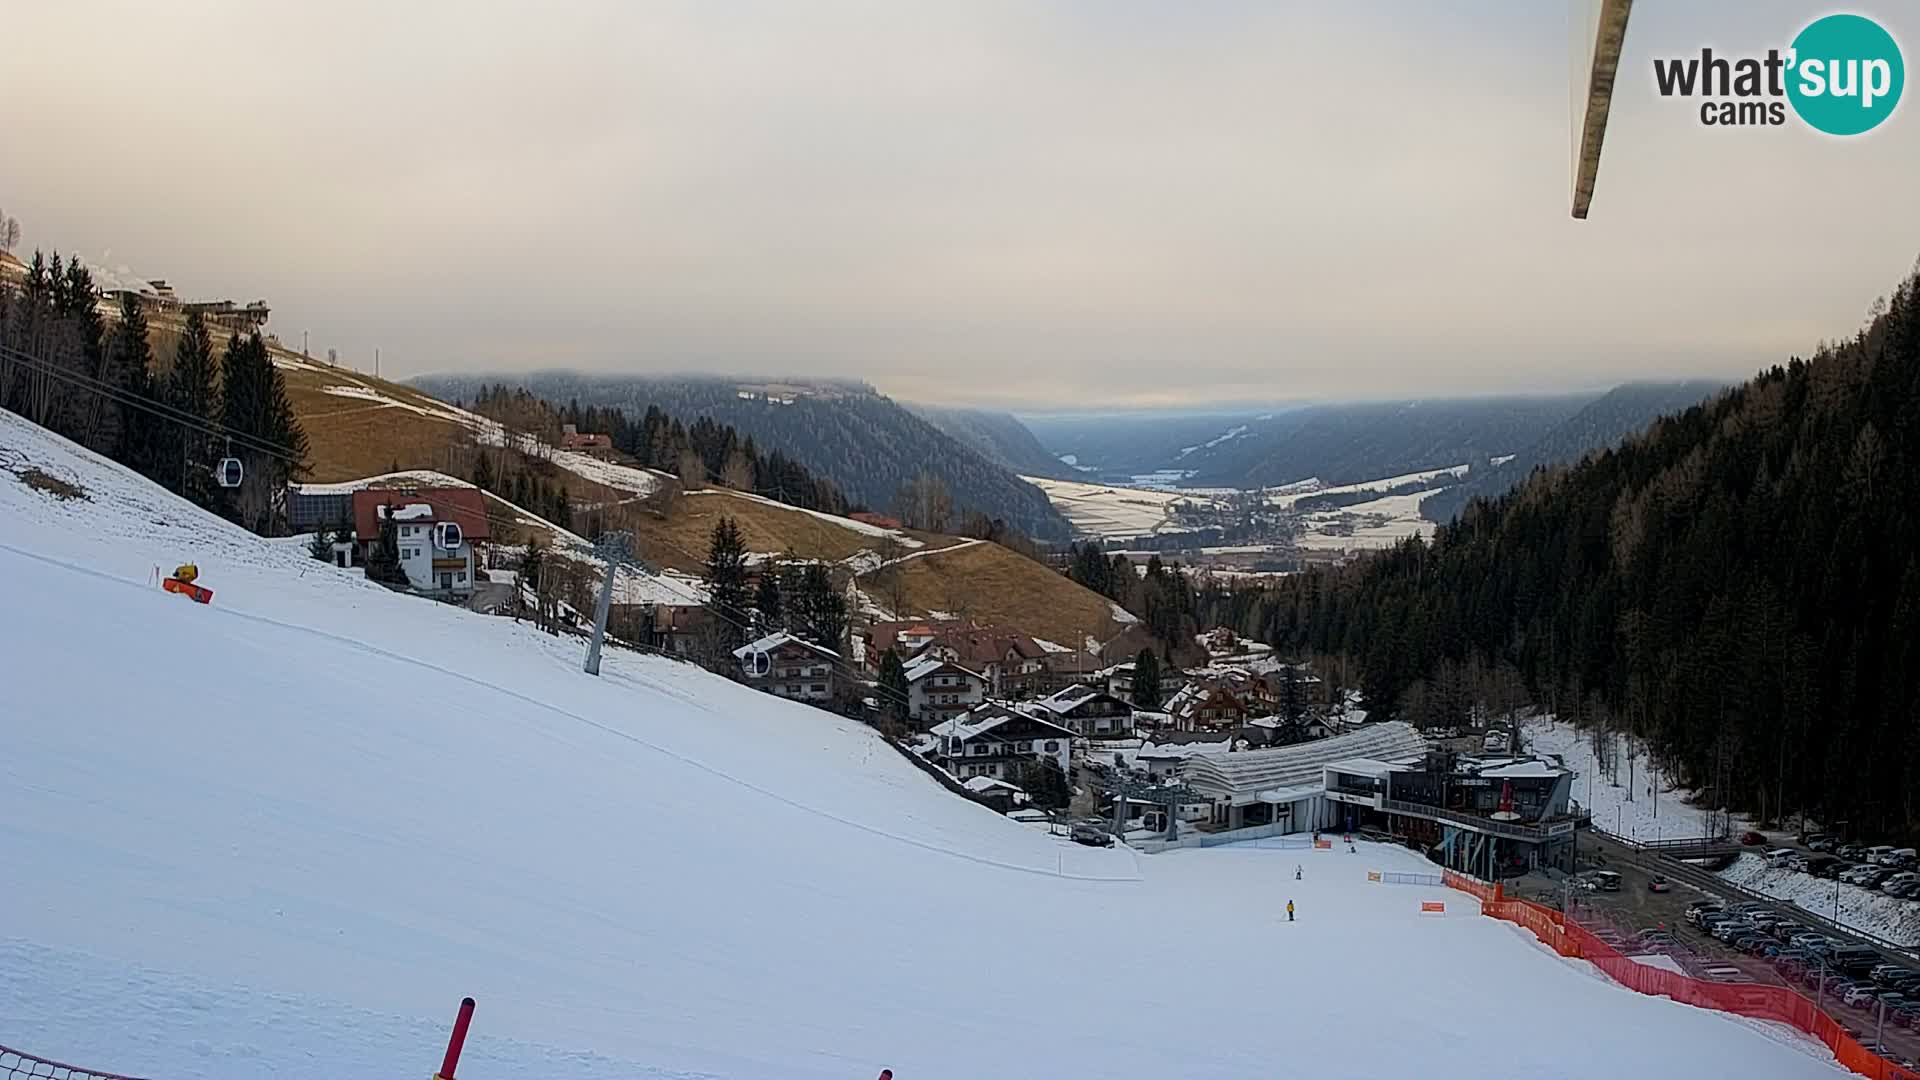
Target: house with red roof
(436,530)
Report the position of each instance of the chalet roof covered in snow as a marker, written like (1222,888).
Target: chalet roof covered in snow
(982,719)
(1522,770)
(928,665)
(779,640)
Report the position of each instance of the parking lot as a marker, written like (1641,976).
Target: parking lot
(1641,920)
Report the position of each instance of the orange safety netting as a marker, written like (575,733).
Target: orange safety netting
(1776,1003)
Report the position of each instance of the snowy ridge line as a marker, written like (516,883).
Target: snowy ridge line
(20,1063)
(616,732)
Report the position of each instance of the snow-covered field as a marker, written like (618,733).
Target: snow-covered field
(1378,523)
(283,835)
(1108,511)
(1869,910)
(1113,512)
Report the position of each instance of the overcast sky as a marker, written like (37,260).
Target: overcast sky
(1041,204)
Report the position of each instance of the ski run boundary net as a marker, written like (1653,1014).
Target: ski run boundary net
(1775,1003)
(18,1065)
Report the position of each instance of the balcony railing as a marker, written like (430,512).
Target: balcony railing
(1511,829)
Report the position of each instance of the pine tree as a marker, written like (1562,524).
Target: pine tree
(893,686)
(768,615)
(823,611)
(321,546)
(140,438)
(1146,680)
(383,561)
(191,389)
(562,509)
(483,472)
(726,577)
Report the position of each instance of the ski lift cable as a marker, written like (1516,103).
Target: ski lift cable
(174,415)
(158,408)
(123,396)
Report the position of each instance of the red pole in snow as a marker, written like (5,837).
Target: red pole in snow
(459,1040)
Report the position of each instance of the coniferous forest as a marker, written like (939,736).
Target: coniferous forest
(171,418)
(1739,585)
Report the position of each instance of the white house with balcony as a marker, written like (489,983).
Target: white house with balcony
(939,690)
(435,530)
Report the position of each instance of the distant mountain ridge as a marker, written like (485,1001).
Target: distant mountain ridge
(865,442)
(998,436)
(1622,411)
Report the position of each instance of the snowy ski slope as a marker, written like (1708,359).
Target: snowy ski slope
(284,834)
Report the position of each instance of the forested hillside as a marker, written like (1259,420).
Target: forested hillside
(999,437)
(1740,586)
(1619,412)
(1344,444)
(868,446)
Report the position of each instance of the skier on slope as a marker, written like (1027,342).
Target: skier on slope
(1296,872)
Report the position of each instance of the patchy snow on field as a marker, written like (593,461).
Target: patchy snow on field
(1107,510)
(639,482)
(1642,817)
(1869,910)
(403,478)
(1292,493)
(1368,526)
(861,527)
(283,834)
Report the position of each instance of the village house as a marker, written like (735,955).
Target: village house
(996,742)
(571,438)
(436,529)
(1087,711)
(1011,662)
(1119,680)
(938,691)
(789,667)
(1200,706)
(679,629)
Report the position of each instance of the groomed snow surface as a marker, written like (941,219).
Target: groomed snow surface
(284,834)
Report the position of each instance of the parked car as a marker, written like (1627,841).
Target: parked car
(1786,931)
(1658,883)
(1879,852)
(1818,841)
(1092,834)
(1726,973)
(1849,851)
(1859,996)
(1903,857)
(1778,856)
(1752,839)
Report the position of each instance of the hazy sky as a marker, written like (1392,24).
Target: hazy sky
(1052,204)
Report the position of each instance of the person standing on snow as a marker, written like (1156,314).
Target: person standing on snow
(1289,911)
(1296,872)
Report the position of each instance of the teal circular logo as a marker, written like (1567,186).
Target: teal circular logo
(1845,74)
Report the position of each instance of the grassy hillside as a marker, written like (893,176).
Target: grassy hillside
(990,584)
(361,426)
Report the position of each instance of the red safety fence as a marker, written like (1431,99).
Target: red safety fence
(16,1065)
(1775,1003)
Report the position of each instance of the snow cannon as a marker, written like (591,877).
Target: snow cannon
(182,582)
